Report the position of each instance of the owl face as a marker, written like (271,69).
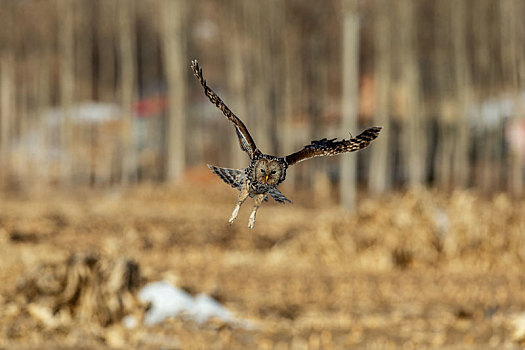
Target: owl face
(268,171)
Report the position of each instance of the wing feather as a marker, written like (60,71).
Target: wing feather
(326,147)
(245,140)
(233,177)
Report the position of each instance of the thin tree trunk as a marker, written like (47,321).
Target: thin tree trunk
(7,110)
(104,162)
(350,98)
(481,28)
(148,73)
(44,103)
(127,84)
(292,67)
(175,67)
(414,131)
(106,16)
(380,167)
(261,81)
(83,92)
(84,52)
(67,84)
(512,59)
(317,176)
(21,159)
(481,58)
(445,107)
(462,78)
(237,82)
(443,165)
(276,23)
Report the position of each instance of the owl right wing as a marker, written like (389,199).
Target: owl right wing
(233,177)
(332,147)
(245,140)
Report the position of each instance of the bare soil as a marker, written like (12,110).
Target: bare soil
(412,270)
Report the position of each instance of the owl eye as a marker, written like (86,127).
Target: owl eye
(262,171)
(273,172)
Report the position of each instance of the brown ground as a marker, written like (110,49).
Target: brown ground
(412,270)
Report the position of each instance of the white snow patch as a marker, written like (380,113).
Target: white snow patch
(205,307)
(167,301)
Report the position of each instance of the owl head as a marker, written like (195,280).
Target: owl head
(268,171)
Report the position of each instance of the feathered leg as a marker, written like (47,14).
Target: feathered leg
(258,200)
(242,197)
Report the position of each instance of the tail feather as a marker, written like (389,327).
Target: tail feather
(233,177)
(278,196)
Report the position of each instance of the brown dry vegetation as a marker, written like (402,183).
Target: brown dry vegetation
(409,270)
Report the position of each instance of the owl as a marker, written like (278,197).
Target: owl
(265,172)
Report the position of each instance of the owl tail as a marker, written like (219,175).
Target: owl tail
(232,177)
(278,196)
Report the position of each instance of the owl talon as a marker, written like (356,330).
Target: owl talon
(234,214)
(251,222)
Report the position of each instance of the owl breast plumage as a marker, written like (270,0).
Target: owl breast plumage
(265,172)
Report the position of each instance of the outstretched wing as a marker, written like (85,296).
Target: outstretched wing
(245,140)
(233,177)
(332,147)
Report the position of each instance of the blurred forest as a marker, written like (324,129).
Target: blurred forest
(97,93)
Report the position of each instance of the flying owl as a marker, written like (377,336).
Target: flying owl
(265,171)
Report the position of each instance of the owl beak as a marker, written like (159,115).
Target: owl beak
(267,178)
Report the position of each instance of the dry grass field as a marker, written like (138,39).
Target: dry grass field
(411,270)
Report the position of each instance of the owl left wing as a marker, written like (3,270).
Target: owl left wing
(332,147)
(245,140)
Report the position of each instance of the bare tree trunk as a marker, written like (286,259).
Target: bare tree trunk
(274,65)
(127,52)
(83,92)
(175,66)
(512,59)
(380,166)
(317,176)
(292,68)
(481,29)
(43,104)
(462,77)
(106,16)
(151,129)
(67,84)
(350,98)
(261,80)
(21,160)
(7,86)
(444,147)
(414,131)
(7,110)
(84,52)
(104,163)
(237,82)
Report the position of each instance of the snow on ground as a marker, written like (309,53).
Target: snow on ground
(168,301)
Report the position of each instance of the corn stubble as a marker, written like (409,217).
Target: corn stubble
(420,269)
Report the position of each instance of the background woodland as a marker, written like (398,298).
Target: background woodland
(100,93)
